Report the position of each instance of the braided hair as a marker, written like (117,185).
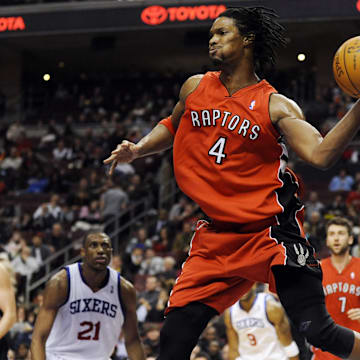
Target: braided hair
(259,23)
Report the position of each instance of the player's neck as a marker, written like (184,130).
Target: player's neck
(94,279)
(235,79)
(340,261)
(247,304)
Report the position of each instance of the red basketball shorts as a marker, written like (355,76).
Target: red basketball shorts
(223,265)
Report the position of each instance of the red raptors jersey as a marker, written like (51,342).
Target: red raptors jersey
(228,156)
(342,292)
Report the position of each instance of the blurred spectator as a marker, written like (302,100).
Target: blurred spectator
(57,238)
(22,352)
(335,208)
(214,350)
(61,152)
(95,185)
(15,244)
(169,273)
(13,161)
(91,214)
(141,238)
(152,264)
(161,221)
(208,335)
(313,204)
(181,243)
(316,231)
(136,189)
(80,196)
(48,213)
(341,182)
(24,265)
(163,244)
(177,209)
(116,263)
(112,202)
(14,131)
(152,340)
(132,262)
(39,250)
(153,300)
(353,198)
(22,329)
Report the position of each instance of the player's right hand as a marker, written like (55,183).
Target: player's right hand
(125,152)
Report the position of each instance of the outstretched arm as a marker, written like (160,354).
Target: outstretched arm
(130,328)
(278,318)
(160,138)
(7,302)
(54,296)
(305,140)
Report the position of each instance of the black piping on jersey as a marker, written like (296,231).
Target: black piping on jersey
(289,203)
(66,268)
(120,297)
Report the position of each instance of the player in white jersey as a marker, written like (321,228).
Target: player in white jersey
(257,329)
(86,305)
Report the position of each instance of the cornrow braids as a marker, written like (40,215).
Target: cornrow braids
(259,23)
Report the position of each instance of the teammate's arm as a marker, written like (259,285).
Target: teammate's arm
(130,328)
(160,138)
(232,337)
(305,140)
(276,315)
(55,295)
(7,302)
(354,314)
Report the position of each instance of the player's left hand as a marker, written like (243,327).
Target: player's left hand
(354,314)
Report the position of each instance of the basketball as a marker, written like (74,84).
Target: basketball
(346,66)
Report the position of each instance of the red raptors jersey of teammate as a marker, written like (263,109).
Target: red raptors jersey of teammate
(342,293)
(239,150)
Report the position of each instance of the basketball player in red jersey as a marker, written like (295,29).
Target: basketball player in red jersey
(341,280)
(227,132)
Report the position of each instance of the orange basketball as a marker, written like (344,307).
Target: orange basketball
(346,67)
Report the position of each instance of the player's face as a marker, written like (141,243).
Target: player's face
(225,42)
(338,240)
(97,251)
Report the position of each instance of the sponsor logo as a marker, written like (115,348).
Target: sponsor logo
(252,105)
(12,23)
(155,15)
(302,256)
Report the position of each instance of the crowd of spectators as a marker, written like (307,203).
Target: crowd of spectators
(53,185)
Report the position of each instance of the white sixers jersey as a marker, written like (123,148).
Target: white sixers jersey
(88,324)
(257,336)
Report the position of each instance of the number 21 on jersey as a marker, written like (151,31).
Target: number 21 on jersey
(90,331)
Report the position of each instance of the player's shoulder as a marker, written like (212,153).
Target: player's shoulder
(127,288)
(190,85)
(281,106)
(57,289)
(325,262)
(274,309)
(356,261)
(59,280)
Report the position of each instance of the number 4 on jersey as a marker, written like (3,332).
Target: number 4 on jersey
(217,150)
